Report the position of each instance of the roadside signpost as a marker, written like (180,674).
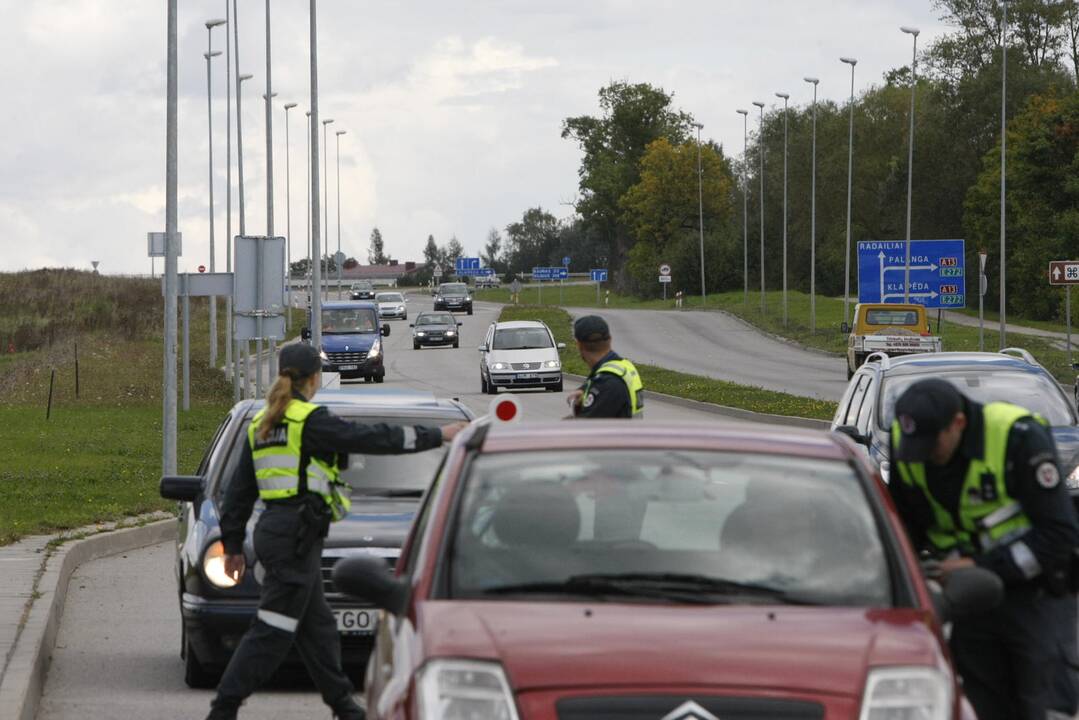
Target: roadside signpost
(202,268)
(258,305)
(664,277)
(598,276)
(937,272)
(464,265)
(1066,273)
(983,285)
(437,271)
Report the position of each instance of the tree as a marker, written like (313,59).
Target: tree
(451,252)
(430,253)
(533,241)
(375,255)
(491,250)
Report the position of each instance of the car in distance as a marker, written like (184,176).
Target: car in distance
(867,408)
(435,328)
(560,572)
(352,340)
(215,611)
(363,290)
(520,354)
(892,328)
(488,281)
(454,297)
(391,305)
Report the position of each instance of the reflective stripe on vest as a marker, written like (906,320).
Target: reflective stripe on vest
(277,461)
(983,524)
(625,370)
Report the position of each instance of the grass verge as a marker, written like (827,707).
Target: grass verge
(671,382)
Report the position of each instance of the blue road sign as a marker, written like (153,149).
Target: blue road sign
(599,276)
(467,263)
(475,272)
(937,272)
(565,261)
(550,273)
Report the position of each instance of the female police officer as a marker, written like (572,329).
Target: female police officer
(291,462)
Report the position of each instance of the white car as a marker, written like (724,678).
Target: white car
(391,305)
(520,354)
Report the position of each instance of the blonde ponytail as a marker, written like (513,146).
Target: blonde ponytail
(276,403)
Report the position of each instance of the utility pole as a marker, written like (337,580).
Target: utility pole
(168,450)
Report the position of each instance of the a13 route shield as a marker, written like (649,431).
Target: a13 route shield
(937,272)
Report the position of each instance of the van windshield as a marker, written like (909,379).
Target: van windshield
(526,338)
(348,321)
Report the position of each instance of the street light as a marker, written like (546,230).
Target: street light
(1003,162)
(339,133)
(288,222)
(850,176)
(760,147)
(813,218)
(745,206)
(910,156)
(316,299)
(240,79)
(209,55)
(700,204)
(229,342)
(785,97)
(310,254)
(326,184)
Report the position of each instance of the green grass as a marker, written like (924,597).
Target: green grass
(679,384)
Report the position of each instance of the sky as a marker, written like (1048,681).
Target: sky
(452,110)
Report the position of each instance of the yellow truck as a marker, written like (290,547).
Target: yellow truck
(892,328)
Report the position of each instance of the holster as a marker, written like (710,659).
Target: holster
(1073,571)
(314,524)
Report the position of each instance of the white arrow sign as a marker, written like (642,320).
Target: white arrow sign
(930,295)
(1056,273)
(886,268)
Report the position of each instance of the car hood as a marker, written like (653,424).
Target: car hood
(390,303)
(1066,438)
(539,355)
(441,327)
(573,645)
(349,343)
(374,522)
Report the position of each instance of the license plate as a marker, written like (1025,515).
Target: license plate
(356,621)
(349,367)
(527,376)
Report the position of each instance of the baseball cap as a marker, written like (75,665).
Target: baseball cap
(300,357)
(590,328)
(923,410)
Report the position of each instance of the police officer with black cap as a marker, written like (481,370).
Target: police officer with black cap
(980,485)
(613,388)
(292,460)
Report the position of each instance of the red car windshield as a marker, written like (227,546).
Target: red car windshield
(662,525)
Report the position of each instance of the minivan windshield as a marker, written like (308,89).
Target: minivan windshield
(526,338)
(348,321)
(667,526)
(1033,391)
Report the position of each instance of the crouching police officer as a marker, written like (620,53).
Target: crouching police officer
(292,461)
(980,485)
(613,388)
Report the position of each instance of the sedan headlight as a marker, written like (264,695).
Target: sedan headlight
(451,332)
(552,364)
(1072,481)
(213,566)
(499,366)
(464,689)
(375,350)
(906,692)
(468,298)
(421,333)
(322,354)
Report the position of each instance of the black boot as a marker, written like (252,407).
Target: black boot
(223,709)
(347,709)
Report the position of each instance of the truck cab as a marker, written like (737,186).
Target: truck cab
(892,328)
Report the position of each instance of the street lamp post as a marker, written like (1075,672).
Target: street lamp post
(268,97)
(813,218)
(785,97)
(1003,164)
(316,299)
(310,255)
(910,157)
(700,205)
(326,186)
(760,148)
(245,350)
(168,421)
(339,133)
(745,206)
(209,55)
(229,342)
(288,223)
(850,177)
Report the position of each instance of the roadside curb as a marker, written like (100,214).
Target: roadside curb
(725,411)
(24,677)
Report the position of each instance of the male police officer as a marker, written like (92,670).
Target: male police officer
(980,485)
(613,388)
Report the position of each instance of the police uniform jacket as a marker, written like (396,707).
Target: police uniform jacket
(607,396)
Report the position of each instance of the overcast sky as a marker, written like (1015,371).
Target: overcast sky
(452,109)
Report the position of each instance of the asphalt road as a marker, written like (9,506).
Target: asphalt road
(117,653)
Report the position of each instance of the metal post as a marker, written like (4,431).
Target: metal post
(813,219)
(244,359)
(288,224)
(981,300)
(745,206)
(339,133)
(307,190)
(1003,170)
(168,450)
(700,210)
(1068,318)
(760,148)
(850,181)
(269,200)
(187,345)
(910,156)
(326,190)
(209,55)
(230,341)
(260,271)
(316,299)
(785,98)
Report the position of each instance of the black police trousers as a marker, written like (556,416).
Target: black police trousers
(1014,660)
(292,611)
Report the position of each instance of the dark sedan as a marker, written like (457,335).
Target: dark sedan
(386,490)
(435,328)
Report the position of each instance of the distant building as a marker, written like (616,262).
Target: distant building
(389,275)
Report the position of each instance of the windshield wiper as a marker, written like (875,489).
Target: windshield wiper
(393,492)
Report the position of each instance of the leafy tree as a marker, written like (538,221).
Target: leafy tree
(375,255)
(532,241)
(451,252)
(491,250)
(430,253)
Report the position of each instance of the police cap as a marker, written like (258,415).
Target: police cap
(299,358)
(923,410)
(591,328)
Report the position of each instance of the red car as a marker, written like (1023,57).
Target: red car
(622,570)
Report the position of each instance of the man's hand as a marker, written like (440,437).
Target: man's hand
(235,565)
(449,432)
(574,398)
